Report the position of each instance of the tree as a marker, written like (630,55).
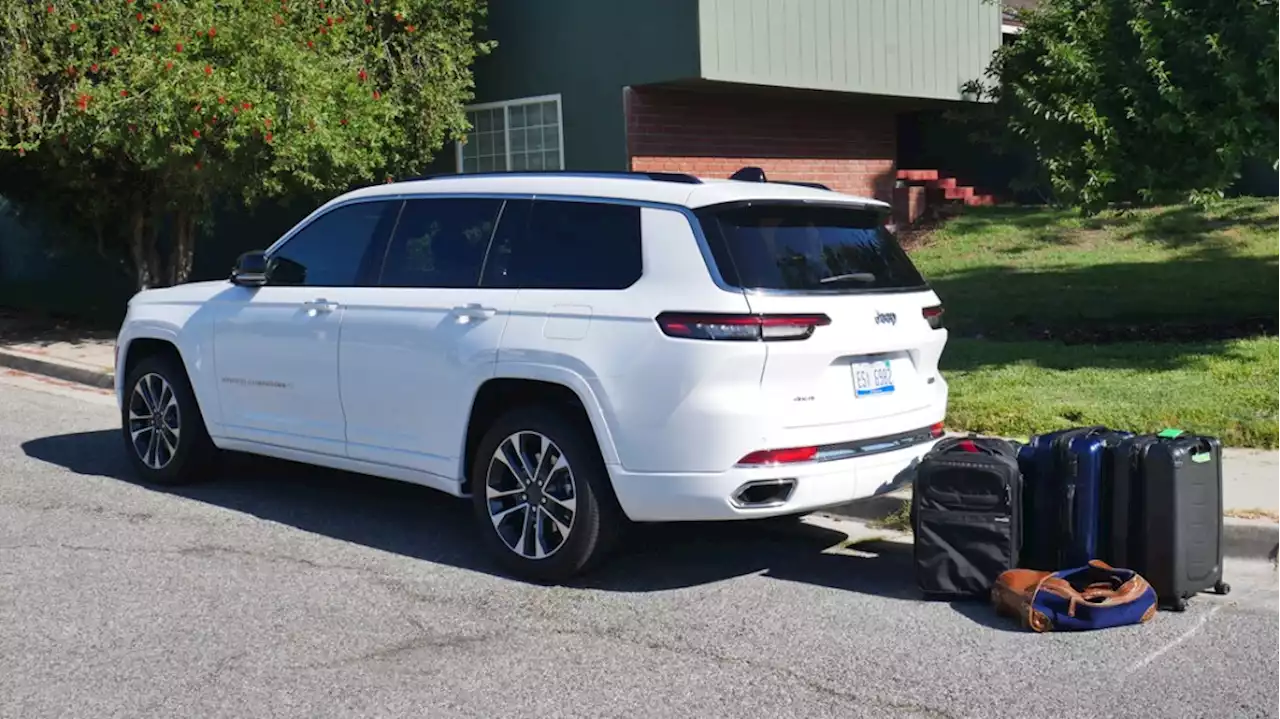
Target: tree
(135,116)
(1146,100)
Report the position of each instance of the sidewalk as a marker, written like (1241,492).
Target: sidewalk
(60,350)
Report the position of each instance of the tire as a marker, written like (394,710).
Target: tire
(499,491)
(1221,587)
(193,456)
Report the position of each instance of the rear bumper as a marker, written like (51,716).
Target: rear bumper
(668,497)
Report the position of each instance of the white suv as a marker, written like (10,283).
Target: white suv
(572,351)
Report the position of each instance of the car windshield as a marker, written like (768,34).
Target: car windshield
(772,246)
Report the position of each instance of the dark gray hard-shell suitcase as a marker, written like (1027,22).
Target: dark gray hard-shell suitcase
(1166,514)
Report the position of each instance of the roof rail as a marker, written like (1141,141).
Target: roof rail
(656,176)
(755,174)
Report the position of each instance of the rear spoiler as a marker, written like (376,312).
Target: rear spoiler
(756,174)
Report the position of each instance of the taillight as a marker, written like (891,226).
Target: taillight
(742,328)
(934,316)
(780,456)
(937,430)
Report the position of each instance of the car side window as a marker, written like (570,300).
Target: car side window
(567,245)
(333,250)
(440,243)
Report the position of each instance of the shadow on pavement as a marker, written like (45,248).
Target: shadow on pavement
(425,524)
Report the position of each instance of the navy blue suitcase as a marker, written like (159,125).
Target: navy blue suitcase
(1065,476)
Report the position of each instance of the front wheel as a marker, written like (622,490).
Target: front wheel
(542,495)
(164,433)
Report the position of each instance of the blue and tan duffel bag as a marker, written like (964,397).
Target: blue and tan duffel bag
(1095,596)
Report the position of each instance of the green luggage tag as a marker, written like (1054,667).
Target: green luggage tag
(1201,458)
(1170,433)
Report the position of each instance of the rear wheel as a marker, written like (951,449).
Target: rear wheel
(163,431)
(542,495)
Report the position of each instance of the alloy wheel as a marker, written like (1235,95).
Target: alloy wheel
(154,421)
(531,495)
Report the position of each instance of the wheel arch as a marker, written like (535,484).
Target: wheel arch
(151,342)
(523,386)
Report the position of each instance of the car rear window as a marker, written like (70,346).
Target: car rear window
(771,246)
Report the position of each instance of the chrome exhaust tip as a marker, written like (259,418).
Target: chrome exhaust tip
(761,493)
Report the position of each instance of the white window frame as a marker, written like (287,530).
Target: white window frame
(506,105)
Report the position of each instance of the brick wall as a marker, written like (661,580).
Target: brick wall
(847,147)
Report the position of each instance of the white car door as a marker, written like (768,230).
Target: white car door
(276,346)
(415,349)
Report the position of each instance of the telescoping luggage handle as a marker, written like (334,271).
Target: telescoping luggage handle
(1199,457)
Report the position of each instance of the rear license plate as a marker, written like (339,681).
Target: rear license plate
(871,378)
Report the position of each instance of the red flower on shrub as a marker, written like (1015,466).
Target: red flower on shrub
(279,20)
(221,99)
(267,137)
(115,51)
(74,27)
(124,93)
(377,95)
(197,107)
(195,133)
(328,21)
(168,65)
(213,31)
(399,17)
(310,44)
(93,67)
(362,75)
(343,121)
(83,102)
(178,47)
(140,17)
(155,28)
(266,121)
(208,70)
(409,28)
(71,70)
(247,105)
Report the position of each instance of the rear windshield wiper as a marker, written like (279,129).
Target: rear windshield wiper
(851,277)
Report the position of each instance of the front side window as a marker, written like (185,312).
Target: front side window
(773,246)
(440,243)
(512,136)
(566,245)
(333,250)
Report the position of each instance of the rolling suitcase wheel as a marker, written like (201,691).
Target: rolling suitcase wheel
(1221,587)
(1178,605)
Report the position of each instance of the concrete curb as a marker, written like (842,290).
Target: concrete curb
(1241,538)
(58,370)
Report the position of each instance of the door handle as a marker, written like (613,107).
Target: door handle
(474,312)
(320,305)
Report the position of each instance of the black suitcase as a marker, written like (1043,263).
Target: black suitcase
(1165,518)
(966,515)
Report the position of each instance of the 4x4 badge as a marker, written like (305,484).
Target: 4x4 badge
(886,318)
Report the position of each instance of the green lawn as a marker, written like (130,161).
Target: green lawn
(1177,276)
(1010,272)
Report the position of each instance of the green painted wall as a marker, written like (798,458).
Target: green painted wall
(587,51)
(907,48)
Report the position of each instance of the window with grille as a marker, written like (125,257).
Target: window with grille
(513,135)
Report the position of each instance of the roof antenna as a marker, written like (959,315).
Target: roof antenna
(749,174)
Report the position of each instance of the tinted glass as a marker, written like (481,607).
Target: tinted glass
(566,245)
(332,250)
(807,248)
(440,243)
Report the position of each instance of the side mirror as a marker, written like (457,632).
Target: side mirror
(250,270)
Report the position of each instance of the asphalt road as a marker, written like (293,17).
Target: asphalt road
(287,591)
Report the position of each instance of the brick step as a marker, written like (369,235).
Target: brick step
(943,183)
(917,175)
(980,201)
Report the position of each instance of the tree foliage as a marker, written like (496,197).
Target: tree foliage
(1140,100)
(136,115)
